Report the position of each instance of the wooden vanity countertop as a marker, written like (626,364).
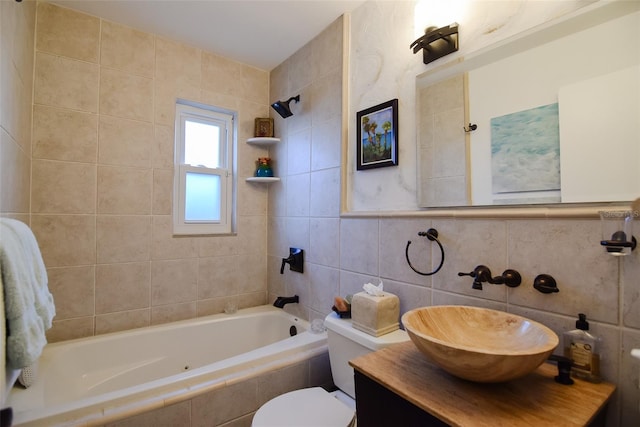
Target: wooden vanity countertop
(535,399)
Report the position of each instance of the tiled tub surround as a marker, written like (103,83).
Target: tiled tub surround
(99,380)
(103,128)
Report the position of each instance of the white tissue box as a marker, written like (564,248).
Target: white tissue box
(375,315)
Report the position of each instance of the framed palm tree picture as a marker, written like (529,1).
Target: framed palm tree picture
(377,143)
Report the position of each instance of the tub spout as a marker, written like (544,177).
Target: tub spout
(281,301)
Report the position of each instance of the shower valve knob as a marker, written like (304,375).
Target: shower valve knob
(295,261)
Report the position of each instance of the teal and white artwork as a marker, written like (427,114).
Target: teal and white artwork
(525,151)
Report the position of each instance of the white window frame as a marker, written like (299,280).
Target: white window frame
(227,171)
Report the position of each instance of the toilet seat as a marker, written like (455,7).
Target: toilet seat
(309,407)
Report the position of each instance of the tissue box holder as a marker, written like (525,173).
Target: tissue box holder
(375,315)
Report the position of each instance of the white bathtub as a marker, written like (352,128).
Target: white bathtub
(100,379)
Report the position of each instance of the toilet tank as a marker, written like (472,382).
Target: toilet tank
(346,343)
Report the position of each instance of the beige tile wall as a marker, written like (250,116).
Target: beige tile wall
(17,26)
(304,207)
(104,99)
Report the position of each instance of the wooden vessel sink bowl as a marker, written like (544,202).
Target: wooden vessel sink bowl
(479,344)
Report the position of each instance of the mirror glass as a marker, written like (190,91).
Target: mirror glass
(550,116)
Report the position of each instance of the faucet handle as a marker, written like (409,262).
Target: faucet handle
(295,261)
(481,271)
(511,278)
(545,284)
(284,261)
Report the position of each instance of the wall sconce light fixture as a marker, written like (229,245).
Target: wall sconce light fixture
(282,107)
(437,42)
(617,232)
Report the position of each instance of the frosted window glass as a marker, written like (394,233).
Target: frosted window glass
(202,197)
(202,144)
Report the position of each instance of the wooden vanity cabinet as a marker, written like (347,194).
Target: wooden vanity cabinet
(398,387)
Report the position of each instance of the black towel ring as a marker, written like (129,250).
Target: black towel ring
(431,234)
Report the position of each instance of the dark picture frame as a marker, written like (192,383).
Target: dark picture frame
(263,127)
(377,140)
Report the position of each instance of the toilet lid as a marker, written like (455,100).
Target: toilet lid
(309,407)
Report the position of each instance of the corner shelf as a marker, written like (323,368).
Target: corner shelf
(263,140)
(263,179)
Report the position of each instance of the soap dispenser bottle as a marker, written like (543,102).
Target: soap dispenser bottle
(582,348)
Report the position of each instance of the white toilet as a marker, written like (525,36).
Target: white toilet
(315,407)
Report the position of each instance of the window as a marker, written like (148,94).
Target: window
(204,179)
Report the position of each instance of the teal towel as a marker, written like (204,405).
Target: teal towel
(28,304)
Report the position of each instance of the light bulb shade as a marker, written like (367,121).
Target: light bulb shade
(617,232)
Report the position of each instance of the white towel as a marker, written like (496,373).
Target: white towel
(29,307)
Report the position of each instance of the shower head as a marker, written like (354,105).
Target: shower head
(282,107)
